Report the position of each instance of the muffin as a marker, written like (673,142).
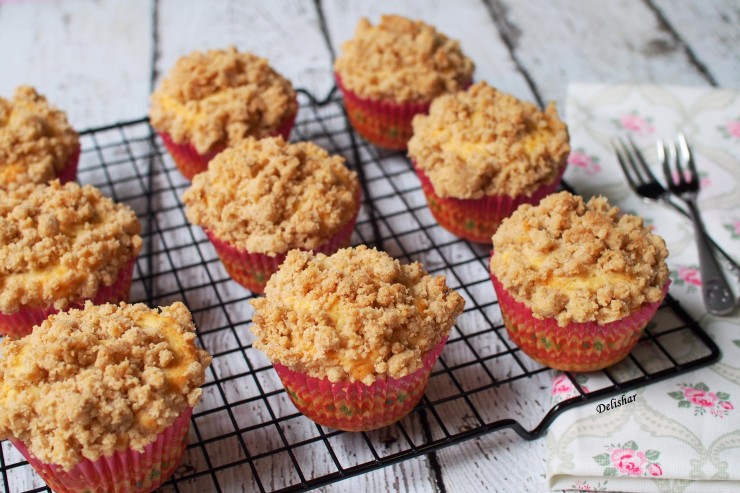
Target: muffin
(354,336)
(392,71)
(577,282)
(481,153)
(209,101)
(262,198)
(59,246)
(99,400)
(37,144)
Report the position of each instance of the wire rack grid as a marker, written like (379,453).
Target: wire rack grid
(246,435)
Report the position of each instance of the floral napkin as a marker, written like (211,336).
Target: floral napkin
(683,434)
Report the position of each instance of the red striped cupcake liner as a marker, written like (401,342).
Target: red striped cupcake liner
(582,347)
(253,270)
(190,162)
(22,322)
(126,471)
(477,220)
(354,406)
(69,171)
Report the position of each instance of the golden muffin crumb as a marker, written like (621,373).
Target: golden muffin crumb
(87,383)
(483,142)
(402,60)
(36,141)
(355,315)
(60,243)
(577,261)
(268,196)
(217,98)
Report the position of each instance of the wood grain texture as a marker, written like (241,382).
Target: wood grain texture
(90,59)
(286,32)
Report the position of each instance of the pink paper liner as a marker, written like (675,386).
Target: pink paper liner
(354,406)
(478,219)
(69,171)
(190,162)
(126,471)
(578,346)
(22,322)
(383,123)
(253,270)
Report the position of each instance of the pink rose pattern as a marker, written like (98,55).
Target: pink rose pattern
(563,388)
(636,124)
(687,275)
(581,485)
(627,460)
(731,129)
(734,229)
(702,400)
(589,164)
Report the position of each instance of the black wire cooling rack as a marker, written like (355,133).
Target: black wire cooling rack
(246,435)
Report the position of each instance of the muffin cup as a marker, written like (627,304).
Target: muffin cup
(577,346)
(383,123)
(354,406)
(69,171)
(478,219)
(190,162)
(252,270)
(21,323)
(126,471)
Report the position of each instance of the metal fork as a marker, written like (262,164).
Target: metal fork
(684,184)
(644,183)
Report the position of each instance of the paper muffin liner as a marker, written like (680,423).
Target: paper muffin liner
(478,219)
(126,471)
(577,346)
(69,171)
(253,270)
(383,123)
(21,323)
(190,162)
(354,406)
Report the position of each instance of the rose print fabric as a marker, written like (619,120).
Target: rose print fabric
(680,435)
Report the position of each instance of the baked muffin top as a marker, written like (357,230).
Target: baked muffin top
(130,371)
(216,98)
(577,261)
(268,196)
(60,243)
(356,315)
(483,142)
(36,141)
(402,60)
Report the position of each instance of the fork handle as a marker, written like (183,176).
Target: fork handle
(717,295)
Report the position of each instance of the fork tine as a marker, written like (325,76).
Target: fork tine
(687,155)
(641,160)
(623,157)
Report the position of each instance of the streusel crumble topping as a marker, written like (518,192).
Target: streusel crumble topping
(269,196)
(216,98)
(36,141)
(355,315)
(60,243)
(578,261)
(402,60)
(87,383)
(484,142)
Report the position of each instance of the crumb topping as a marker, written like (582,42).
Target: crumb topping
(59,243)
(36,141)
(217,98)
(355,315)
(577,261)
(130,371)
(268,196)
(483,142)
(402,60)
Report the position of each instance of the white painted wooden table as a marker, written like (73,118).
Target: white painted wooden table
(99,61)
